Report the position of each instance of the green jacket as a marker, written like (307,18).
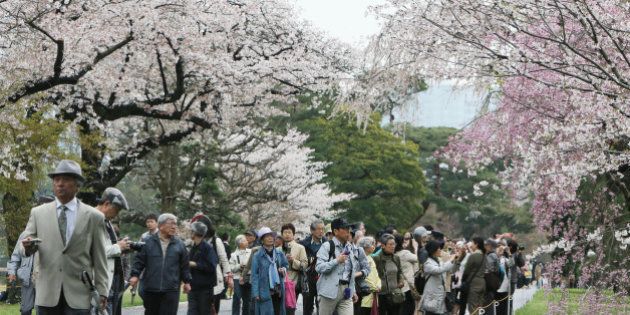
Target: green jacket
(380,261)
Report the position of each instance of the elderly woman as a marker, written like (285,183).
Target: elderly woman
(390,272)
(269,267)
(238,261)
(203,262)
(435,274)
(373,281)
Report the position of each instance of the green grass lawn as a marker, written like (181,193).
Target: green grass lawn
(539,304)
(12,309)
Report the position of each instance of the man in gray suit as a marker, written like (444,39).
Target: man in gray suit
(72,241)
(21,267)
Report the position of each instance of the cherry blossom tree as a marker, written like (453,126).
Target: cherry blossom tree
(272,179)
(559,73)
(136,75)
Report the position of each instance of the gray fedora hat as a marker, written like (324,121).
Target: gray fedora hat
(68,167)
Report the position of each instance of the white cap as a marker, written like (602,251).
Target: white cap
(264,231)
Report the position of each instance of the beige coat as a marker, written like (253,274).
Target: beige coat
(300,261)
(61,266)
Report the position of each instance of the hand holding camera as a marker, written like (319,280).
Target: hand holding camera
(124,244)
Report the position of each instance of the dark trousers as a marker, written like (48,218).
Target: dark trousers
(160,303)
(240,300)
(277,304)
(503,304)
(114,303)
(489,299)
(216,301)
(512,289)
(365,311)
(310,299)
(386,307)
(199,302)
(409,305)
(61,308)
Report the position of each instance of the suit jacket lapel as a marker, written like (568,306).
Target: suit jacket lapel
(53,210)
(79,224)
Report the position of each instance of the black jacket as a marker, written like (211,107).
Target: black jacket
(162,273)
(204,276)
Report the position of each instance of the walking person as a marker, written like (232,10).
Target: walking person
(203,271)
(110,204)
(72,243)
(296,256)
(372,280)
(336,266)
(474,282)
(389,270)
(164,259)
(434,295)
(269,268)
(409,265)
(237,264)
(150,222)
(20,267)
(224,274)
(312,244)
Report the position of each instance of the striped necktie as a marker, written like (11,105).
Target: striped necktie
(63,223)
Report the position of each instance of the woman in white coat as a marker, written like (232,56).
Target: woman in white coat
(435,272)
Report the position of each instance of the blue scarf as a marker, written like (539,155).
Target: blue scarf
(274,276)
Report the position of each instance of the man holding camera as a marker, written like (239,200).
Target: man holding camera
(110,205)
(68,236)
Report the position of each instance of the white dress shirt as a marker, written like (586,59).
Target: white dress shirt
(71,215)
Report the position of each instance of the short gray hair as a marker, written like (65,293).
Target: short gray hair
(240,239)
(315,223)
(199,229)
(164,217)
(386,238)
(366,242)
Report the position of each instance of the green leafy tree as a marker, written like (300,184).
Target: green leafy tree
(34,137)
(467,203)
(382,171)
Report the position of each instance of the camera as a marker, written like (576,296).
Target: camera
(136,246)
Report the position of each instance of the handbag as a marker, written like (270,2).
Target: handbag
(419,282)
(493,282)
(290,300)
(362,287)
(374,310)
(397,296)
(414,293)
(304,288)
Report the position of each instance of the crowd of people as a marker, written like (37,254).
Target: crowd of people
(79,264)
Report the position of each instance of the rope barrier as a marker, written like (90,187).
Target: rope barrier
(482,309)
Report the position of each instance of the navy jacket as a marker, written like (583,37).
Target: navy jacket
(204,276)
(162,273)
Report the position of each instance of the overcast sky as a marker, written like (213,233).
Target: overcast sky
(347,20)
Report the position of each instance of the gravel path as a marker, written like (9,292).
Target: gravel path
(521,297)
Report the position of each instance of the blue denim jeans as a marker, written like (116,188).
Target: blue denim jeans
(241,297)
